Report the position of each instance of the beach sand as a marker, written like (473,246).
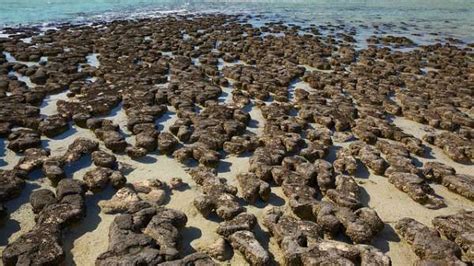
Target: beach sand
(88,239)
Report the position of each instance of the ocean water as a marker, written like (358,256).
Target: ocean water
(429,18)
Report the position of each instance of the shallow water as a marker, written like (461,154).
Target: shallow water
(428,18)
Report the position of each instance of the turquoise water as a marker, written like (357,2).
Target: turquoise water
(449,18)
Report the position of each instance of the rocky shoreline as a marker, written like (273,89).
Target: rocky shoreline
(189,140)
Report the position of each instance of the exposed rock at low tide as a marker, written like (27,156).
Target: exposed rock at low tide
(303,116)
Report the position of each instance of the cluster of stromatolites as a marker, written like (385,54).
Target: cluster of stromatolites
(185,64)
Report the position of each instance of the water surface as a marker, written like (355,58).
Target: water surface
(447,18)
